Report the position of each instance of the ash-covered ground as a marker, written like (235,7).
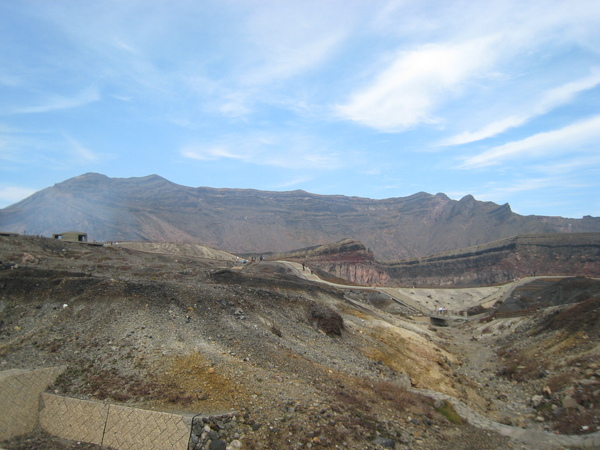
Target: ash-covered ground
(304,365)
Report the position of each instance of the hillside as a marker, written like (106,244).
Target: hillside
(303,364)
(153,209)
(498,262)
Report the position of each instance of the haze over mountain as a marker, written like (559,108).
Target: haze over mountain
(152,208)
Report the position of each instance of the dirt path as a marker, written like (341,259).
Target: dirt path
(507,402)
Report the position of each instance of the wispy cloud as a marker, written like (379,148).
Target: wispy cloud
(18,146)
(524,185)
(58,102)
(461,51)
(307,87)
(546,102)
(578,135)
(283,150)
(210,153)
(13,194)
(235,104)
(531,193)
(84,154)
(407,92)
(284,61)
(571,165)
(293,182)
(285,39)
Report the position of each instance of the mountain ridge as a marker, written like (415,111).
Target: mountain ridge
(152,208)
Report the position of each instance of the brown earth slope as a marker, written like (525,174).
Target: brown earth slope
(300,363)
(304,365)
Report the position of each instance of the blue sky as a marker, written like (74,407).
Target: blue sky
(498,99)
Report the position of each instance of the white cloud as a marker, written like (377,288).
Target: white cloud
(57,102)
(285,39)
(487,131)
(13,194)
(17,146)
(530,194)
(545,103)
(407,92)
(573,164)
(285,150)
(235,105)
(575,136)
(82,153)
(209,153)
(123,98)
(122,45)
(459,50)
(284,61)
(45,149)
(530,184)
(303,158)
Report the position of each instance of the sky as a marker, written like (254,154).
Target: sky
(498,99)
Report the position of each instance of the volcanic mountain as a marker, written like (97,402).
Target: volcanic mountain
(154,209)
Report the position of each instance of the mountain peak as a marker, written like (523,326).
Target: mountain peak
(154,209)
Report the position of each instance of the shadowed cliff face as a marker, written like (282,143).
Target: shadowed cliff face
(495,263)
(249,221)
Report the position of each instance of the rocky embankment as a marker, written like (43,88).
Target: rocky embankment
(347,260)
(502,261)
(499,262)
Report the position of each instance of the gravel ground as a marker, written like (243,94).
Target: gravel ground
(300,365)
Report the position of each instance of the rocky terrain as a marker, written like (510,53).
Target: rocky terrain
(498,262)
(296,362)
(153,209)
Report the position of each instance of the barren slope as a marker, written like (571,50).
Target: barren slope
(301,363)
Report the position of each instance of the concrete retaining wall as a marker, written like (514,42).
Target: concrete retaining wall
(19,398)
(114,426)
(73,419)
(119,427)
